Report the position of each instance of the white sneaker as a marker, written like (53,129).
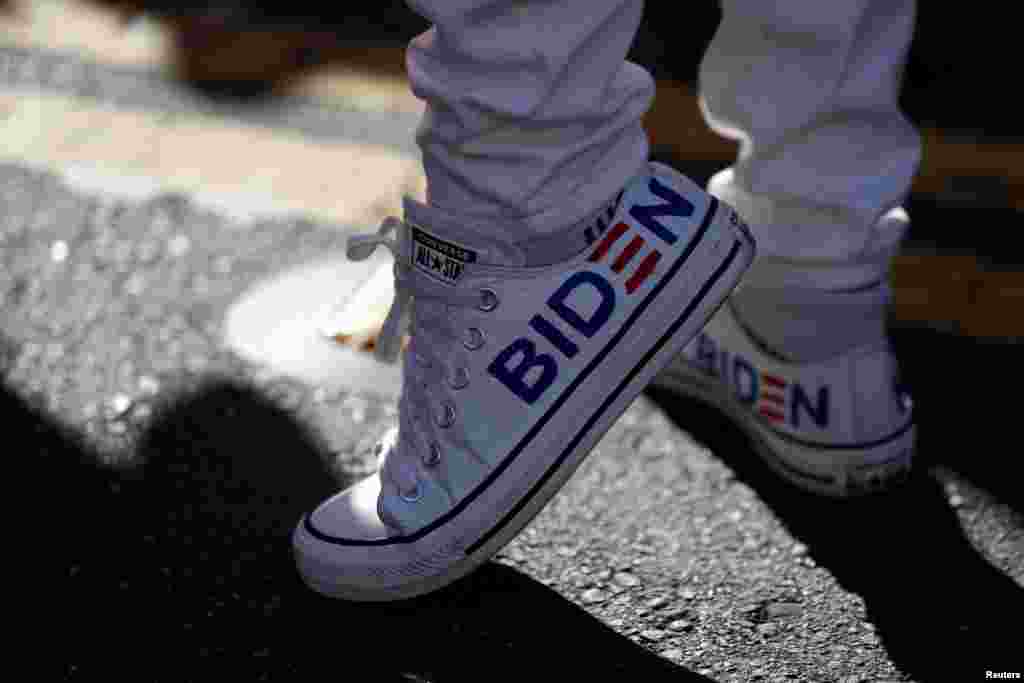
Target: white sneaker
(839,427)
(512,376)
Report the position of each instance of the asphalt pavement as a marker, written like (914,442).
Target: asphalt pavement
(164,472)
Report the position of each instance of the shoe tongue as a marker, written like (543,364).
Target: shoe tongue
(441,246)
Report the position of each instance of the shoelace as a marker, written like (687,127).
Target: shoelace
(436,360)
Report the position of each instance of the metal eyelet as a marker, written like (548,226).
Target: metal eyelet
(433,456)
(447,418)
(459,378)
(475,340)
(488,300)
(905,401)
(412,496)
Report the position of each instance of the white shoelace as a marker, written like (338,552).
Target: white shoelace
(437,359)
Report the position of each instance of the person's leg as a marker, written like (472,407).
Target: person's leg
(533,117)
(810,90)
(532,122)
(548,277)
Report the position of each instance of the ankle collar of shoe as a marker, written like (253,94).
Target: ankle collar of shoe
(486,236)
(771,272)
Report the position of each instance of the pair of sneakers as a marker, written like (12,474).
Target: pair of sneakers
(514,372)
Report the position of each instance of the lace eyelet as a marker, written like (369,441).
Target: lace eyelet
(447,418)
(433,456)
(488,300)
(412,496)
(459,379)
(475,340)
(905,401)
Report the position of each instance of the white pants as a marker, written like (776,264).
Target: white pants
(533,114)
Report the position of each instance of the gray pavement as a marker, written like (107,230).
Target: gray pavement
(148,88)
(670,553)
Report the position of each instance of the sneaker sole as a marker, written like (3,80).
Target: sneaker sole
(717,282)
(837,471)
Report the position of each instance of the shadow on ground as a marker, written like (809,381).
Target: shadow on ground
(942,611)
(181,569)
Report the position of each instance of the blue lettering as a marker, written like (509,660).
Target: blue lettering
(746,392)
(676,205)
(587,327)
(554,335)
(818,412)
(514,378)
(706,355)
